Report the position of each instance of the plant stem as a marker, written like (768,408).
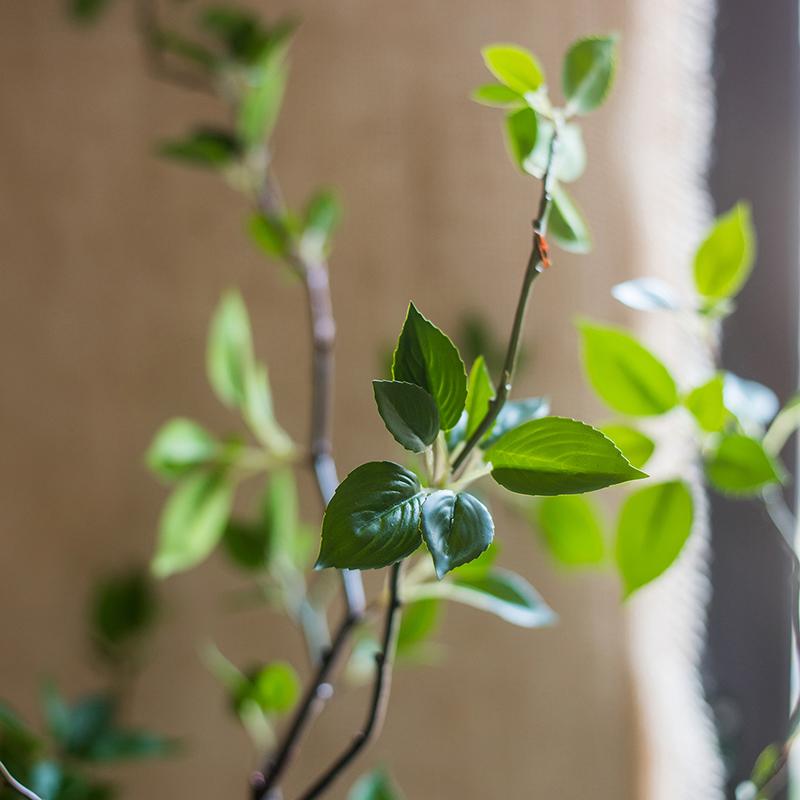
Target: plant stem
(380,693)
(534,267)
(16,785)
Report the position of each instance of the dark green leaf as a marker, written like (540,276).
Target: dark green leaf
(426,357)
(647,294)
(724,260)
(409,412)
(627,376)
(206,147)
(514,67)
(246,544)
(192,522)
(271,235)
(123,607)
(124,745)
(514,413)
(654,524)
(566,225)
(179,447)
(554,455)
(588,74)
(418,622)
(741,466)
(572,530)
(498,96)
(480,393)
(456,527)
(707,405)
(521,129)
(229,355)
(186,49)
(87,10)
(373,519)
(377,785)
(635,445)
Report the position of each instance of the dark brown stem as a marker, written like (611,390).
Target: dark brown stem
(14,784)
(534,267)
(380,693)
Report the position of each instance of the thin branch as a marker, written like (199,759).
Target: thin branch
(16,785)
(380,693)
(532,271)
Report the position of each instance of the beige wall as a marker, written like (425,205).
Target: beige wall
(111,262)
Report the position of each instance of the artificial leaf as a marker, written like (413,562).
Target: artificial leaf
(572,530)
(373,518)
(409,412)
(741,466)
(205,147)
(480,393)
(514,67)
(521,129)
(566,225)
(192,522)
(588,73)
(647,294)
(724,260)
(514,413)
(554,455)
(636,446)
(654,524)
(707,405)
(457,528)
(783,426)
(229,356)
(179,447)
(426,357)
(377,785)
(626,375)
(498,96)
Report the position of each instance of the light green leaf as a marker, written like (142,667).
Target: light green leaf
(741,466)
(654,524)
(205,147)
(261,103)
(515,67)
(321,218)
(588,74)
(457,528)
(409,412)
(259,414)
(514,413)
(426,357)
(275,687)
(280,514)
(377,785)
(783,426)
(498,96)
(521,129)
(570,156)
(555,455)
(418,622)
(707,405)
(635,445)
(499,591)
(566,225)
(192,522)
(572,530)
(724,260)
(480,393)
(626,375)
(229,356)
(647,294)
(373,519)
(270,235)
(179,447)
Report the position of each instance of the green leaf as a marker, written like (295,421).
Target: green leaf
(570,156)
(186,49)
(409,412)
(373,519)
(588,73)
(229,355)
(753,404)
(572,530)
(626,375)
(566,225)
(514,413)
(418,622)
(480,393)
(783,426)
(87,10)
(322,216)
(205,147)
(246,544)
(654,524)
(261,103)
(514,67)
(635,445)
(521,130)
(85,722)
(123,607)
(555,455)
(498,96)
(271,235)
(647,294)
(128,745)
(741,466)
(426,357)
(192,522)
(499,591)
(457,528)
(377,785)
(707,405)
(275,688)
(179,447)
(259,414)
(724,260)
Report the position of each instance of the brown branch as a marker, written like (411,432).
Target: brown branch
(14,784)
(380,693)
